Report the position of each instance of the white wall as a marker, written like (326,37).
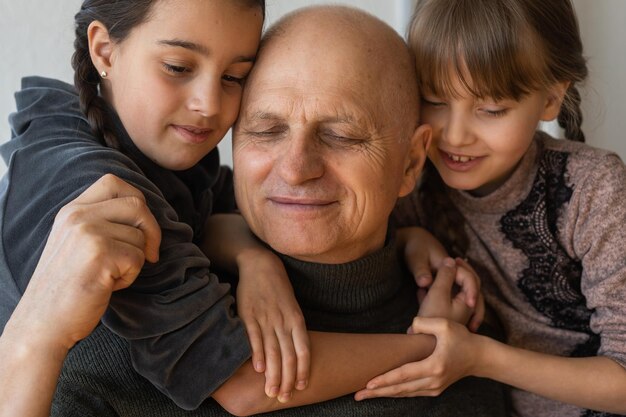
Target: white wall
(602,24)
(36,39)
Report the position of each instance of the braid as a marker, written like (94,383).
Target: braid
(87,81)
(442,217)
(571,116)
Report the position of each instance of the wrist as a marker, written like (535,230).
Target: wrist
(31,336)
(259,256)
(485,349)
(26,344)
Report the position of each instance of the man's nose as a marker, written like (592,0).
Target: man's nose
(302,159)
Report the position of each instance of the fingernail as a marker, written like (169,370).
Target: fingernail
(301,385)
(409,330)
(258,366)
(372,385)
(424,279)
(273,392)
(449,262)
(284,397)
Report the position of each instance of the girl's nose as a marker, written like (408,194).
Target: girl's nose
(206,97)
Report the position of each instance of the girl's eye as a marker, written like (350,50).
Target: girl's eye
(433,102)
(496,113)
(175,69)
(233,80)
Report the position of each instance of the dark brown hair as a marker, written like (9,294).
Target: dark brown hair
(497,49)
(119,17)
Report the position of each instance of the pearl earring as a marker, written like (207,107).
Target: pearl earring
(103,74)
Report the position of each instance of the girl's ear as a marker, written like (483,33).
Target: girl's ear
(415,159)
(100,47)
(555,97)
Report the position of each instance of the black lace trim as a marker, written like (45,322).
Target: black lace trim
(551,282)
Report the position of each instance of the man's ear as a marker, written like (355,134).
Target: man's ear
(555,97)
(100,47)
(415,159)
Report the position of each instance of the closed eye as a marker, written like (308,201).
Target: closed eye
(496,113)
(175,69)
(340,140)
(233,80)
(433,102)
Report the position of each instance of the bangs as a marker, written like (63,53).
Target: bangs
(484,45)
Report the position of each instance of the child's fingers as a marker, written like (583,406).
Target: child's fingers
(429,325)
(134,212)
(129,210)
(469,282)
(407,389)
(303,353)
(128,260)
(421,268)
(289,365)
(273,365)
(479,314)
(400,382)
(445,276)
(256,343)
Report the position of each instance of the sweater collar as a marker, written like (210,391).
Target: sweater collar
(347,287)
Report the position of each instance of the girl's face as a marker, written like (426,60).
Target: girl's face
(477,143)
(176,80)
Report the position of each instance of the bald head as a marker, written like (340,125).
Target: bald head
(349,44)
(327,137)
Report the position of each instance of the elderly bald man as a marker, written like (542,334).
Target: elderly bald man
(328,139)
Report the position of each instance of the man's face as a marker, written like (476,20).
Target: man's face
(318,167)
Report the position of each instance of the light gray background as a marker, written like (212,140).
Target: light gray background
(36,38)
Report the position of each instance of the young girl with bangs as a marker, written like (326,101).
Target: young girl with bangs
(540,219)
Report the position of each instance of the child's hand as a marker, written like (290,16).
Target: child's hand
(275,325)
(424,255)
(452,360)
(97,245)
(441,300)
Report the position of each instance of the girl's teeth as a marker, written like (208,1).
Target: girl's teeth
(456,158)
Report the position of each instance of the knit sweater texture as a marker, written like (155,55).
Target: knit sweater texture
(176,314)
(549,247)
(373,294)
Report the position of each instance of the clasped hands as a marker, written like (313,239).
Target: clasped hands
(450,304)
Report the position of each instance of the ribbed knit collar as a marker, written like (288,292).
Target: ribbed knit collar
(348,287)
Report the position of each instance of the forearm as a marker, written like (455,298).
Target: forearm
(228,239)
(340,364)
(28,373)
(596,383)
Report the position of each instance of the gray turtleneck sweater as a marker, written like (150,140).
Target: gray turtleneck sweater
(373,294)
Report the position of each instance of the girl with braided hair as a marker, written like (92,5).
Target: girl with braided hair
(157,85)
(540,219)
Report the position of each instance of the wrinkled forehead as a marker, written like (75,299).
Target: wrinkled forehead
(291,85)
